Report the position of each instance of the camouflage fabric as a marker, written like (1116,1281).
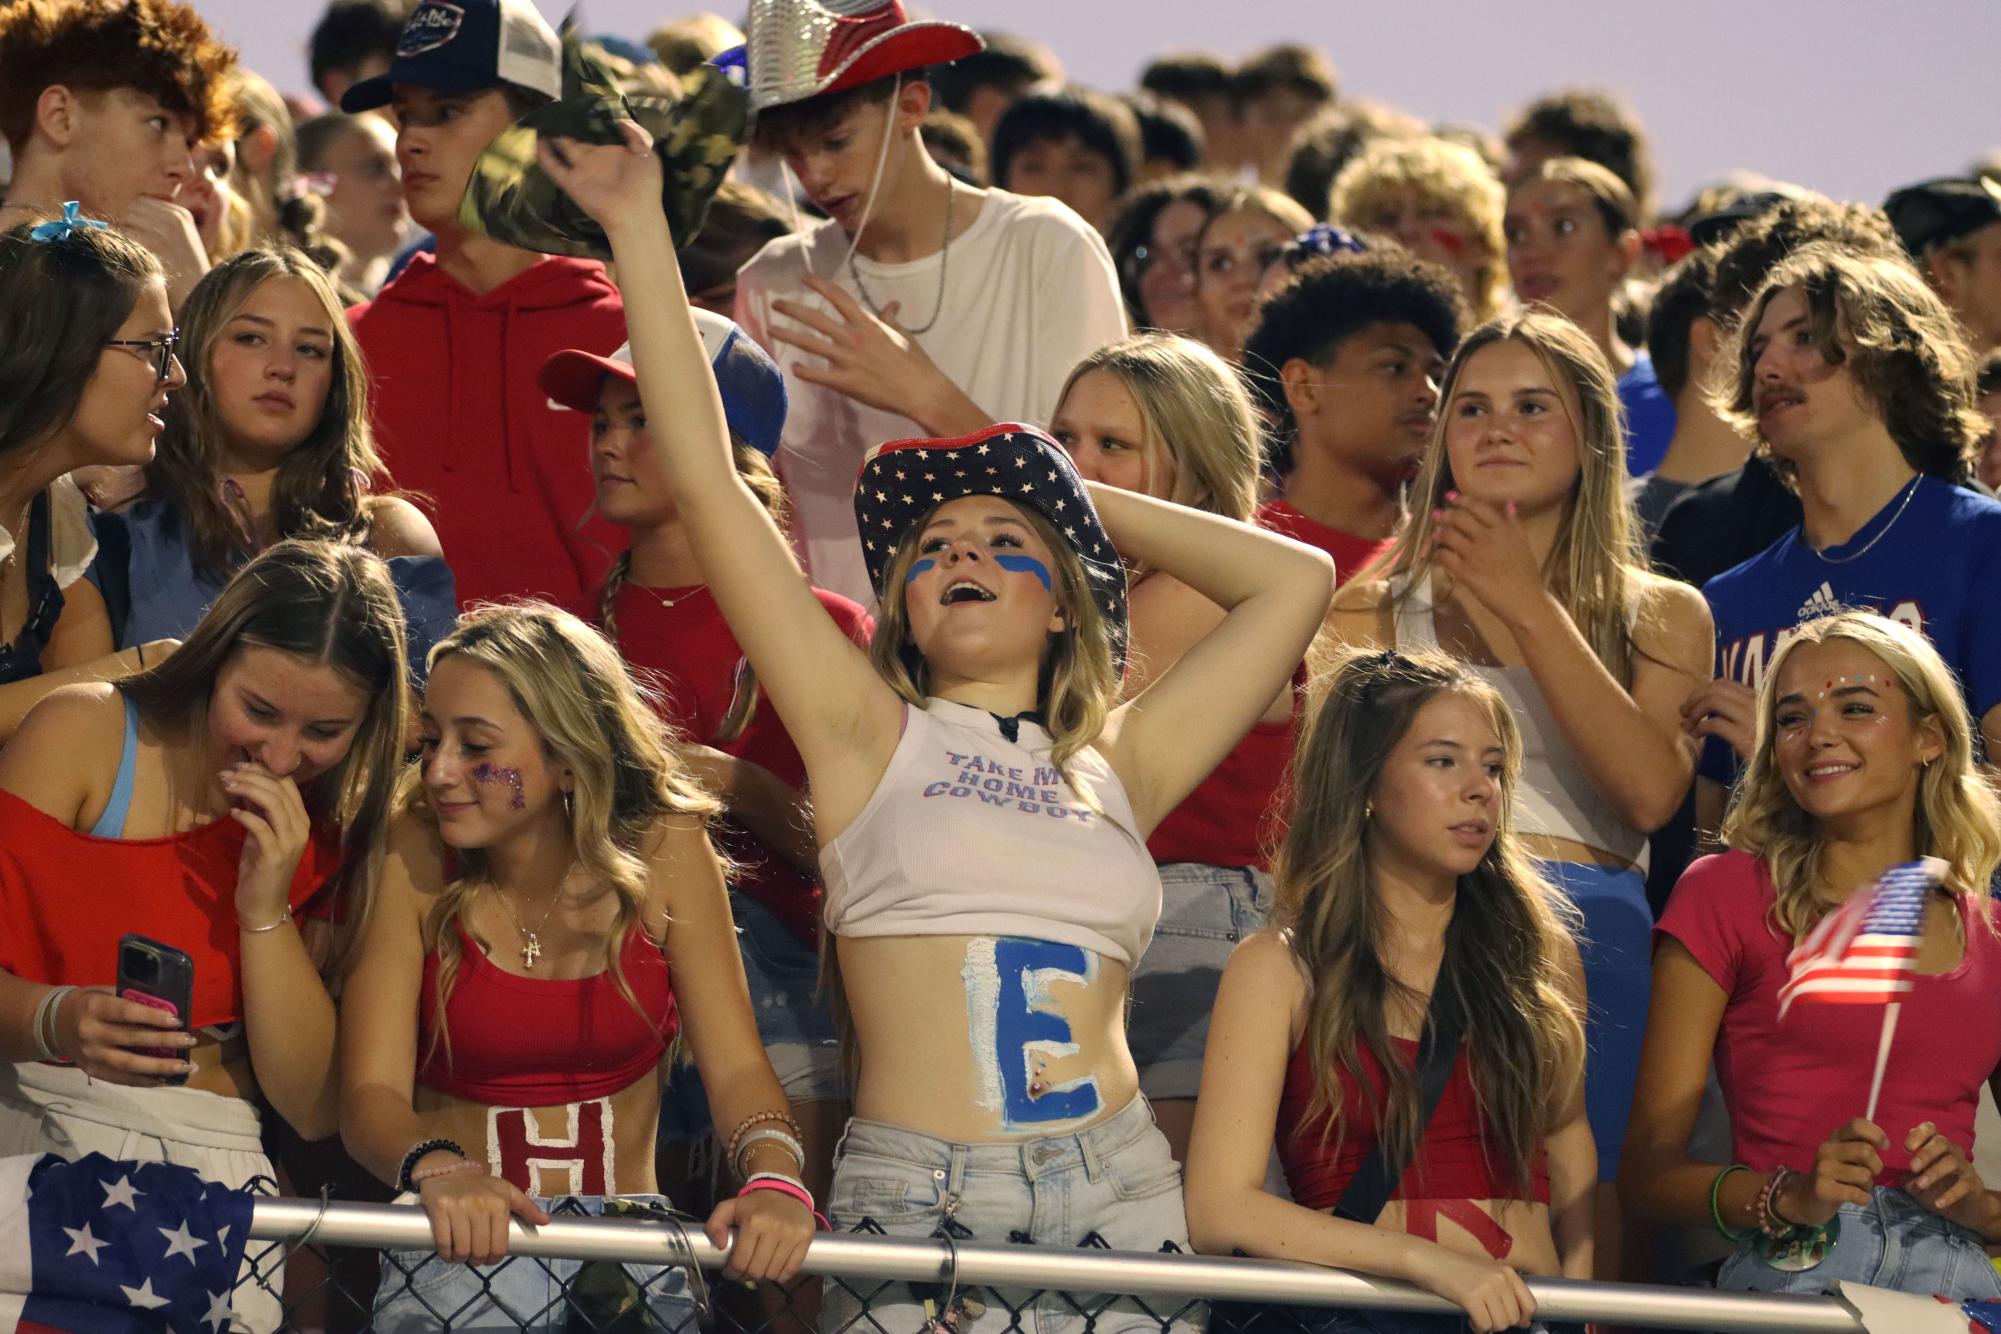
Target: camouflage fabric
(511,198)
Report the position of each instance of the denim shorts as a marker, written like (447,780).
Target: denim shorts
(419,1291)
(793,1022)
(1894,1242)
(1112,1184)
(1617,948)
(1204,911)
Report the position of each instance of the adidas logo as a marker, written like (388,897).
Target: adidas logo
(1822,603)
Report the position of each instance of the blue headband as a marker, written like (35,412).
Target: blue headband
(71,222)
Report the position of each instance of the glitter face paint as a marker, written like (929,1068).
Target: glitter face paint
(493,775)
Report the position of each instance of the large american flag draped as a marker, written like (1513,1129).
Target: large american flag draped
(98,1246)
(1863,952)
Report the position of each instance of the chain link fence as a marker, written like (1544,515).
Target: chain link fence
(325,1267)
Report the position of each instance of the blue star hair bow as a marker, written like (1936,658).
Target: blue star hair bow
(71,221)
(1325,239)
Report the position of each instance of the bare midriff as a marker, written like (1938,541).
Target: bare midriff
(569,1140)
(1516,1231)
(944,1052)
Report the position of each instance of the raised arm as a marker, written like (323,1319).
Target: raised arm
(841,715)
(1273,591)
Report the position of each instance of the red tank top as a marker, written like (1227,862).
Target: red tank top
(66,897)
(538,1042)
(1234,818)
(1456,1159)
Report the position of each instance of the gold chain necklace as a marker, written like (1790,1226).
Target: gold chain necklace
(531,941)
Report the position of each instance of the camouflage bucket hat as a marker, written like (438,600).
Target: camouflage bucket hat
(511,198)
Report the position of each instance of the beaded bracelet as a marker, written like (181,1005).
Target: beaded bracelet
(758,1119)
(423,1174)
(1769,1221)
(1716,1212)
(417,1151)
(783,1138)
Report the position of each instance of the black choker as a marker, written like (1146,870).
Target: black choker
(1011,727)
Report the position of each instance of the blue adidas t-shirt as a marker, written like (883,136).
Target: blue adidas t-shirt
(1931,559)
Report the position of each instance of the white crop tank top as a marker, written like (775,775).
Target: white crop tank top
(1556,797)
(970,834)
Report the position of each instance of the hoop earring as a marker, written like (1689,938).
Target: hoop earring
(569,811)
(1368,810)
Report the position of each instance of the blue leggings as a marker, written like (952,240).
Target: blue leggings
(1618,978)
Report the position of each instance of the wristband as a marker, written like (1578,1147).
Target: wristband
(783,1184)
(417,1151)
(1716,1212)
(247,929)
(45,1023)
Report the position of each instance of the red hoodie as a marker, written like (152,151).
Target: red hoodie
(459,419)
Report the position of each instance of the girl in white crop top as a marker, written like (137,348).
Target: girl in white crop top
(981,804)
(1520,559)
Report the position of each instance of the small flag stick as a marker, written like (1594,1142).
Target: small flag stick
(1882,1056)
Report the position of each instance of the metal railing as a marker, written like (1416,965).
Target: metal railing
(851,1257)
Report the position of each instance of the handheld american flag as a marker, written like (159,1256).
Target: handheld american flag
(1864,952)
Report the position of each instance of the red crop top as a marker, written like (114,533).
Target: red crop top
(540,1042)
(1455,1160)
(66,898)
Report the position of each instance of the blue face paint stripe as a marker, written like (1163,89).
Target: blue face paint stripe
(918,567)
(1024,565)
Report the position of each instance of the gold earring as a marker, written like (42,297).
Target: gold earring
(569,812)
(1368,810)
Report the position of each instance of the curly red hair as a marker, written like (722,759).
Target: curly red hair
(157,47)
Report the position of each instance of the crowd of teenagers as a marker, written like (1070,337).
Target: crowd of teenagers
(1214,668)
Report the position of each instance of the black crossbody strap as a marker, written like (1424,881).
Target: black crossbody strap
(1373,1184)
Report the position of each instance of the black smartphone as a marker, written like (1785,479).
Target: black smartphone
(162,977)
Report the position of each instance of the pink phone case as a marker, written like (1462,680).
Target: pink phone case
(158,1003)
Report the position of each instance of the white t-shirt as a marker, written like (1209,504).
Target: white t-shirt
(1030,291)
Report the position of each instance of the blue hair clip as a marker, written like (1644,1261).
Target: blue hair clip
(71,221)
(734,64)
(1325,239)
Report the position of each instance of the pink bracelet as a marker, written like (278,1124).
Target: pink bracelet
(425,1174)
(796,1191)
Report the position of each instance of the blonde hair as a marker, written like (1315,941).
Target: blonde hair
(1441,173)
(1196,412)
(1502,972)
(1593,568)
(594,719)
(1958,815)
(1079,680)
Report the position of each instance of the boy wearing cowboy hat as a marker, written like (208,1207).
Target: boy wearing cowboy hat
(921,306)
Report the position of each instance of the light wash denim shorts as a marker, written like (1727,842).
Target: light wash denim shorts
(1113,1184)
(1204,911)
(1894,1242)
(419,1291)
(793,1022)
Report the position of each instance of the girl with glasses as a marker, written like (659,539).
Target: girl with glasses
(86,368)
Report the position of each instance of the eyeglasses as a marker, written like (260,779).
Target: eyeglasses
(162,349)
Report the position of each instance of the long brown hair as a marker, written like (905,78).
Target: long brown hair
(321,490)
(1592,569)
(325,604)
(1501,976)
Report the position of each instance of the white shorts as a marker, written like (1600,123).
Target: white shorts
(56,1109)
